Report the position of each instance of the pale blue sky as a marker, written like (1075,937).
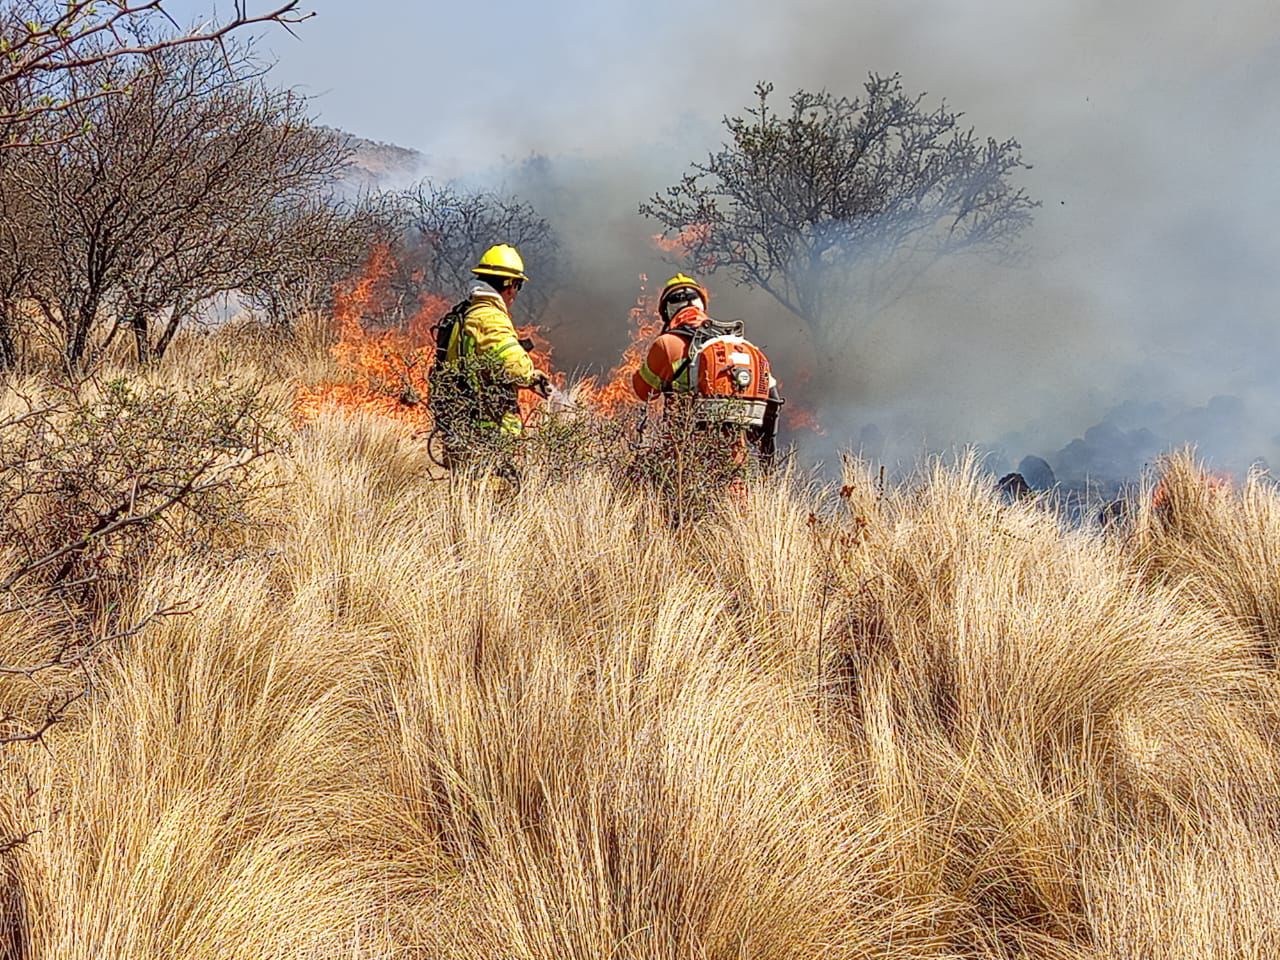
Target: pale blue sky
(564,74)
(593,75)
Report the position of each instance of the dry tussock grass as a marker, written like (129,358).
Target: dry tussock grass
(417,718)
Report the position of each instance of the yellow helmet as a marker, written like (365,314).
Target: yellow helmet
(501,260)
(678,283)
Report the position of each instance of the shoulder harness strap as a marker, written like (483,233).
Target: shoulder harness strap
(443,330)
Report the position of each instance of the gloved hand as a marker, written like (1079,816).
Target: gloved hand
(540,384)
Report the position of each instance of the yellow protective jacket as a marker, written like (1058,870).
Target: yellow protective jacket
(487,330)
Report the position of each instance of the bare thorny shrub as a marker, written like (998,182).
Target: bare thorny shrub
(469,399)
(567,437)
(188,188)
(95,481)
(688,464)
(167,175)
(45,43)
(692,465)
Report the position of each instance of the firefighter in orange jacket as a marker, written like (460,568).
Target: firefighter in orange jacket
(683,307)
(666,368)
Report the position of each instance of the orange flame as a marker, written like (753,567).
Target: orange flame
(797,416)
(1214,483)
(685,239)
(388,370)
(800,418)
(616,395)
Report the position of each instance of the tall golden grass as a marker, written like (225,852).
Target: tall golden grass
(414,717)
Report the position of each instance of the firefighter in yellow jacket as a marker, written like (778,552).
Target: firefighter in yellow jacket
(486,330)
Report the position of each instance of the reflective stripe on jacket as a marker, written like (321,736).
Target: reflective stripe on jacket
(667,355)
(487,330)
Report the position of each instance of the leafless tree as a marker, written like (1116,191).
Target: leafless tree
(44,43)
(449,227)
(838,202)
(23,254)
(175,195)
(308,249)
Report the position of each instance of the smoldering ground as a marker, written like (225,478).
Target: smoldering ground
(1147,278)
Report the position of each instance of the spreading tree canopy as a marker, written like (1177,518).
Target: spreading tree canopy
(836,206)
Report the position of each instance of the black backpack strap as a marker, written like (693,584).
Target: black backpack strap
(684,364)
(444,328)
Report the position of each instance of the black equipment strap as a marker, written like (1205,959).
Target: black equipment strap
(444,330)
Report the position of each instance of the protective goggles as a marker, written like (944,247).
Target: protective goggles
(678,300)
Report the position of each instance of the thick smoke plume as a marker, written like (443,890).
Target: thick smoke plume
(1149,276)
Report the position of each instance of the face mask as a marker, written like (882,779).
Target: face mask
(680,302)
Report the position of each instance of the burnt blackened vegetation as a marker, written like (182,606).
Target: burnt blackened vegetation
(1110,456)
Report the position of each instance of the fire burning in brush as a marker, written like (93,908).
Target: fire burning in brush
(388,369)
(800,418)
(687,239)
(796,416)
(1209,486)
(615,395)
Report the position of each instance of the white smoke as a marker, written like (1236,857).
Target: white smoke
(1151,126)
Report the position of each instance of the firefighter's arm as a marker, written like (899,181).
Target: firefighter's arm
(496,337)
(659,367)
(643,383)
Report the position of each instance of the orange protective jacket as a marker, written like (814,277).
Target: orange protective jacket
(666,357)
